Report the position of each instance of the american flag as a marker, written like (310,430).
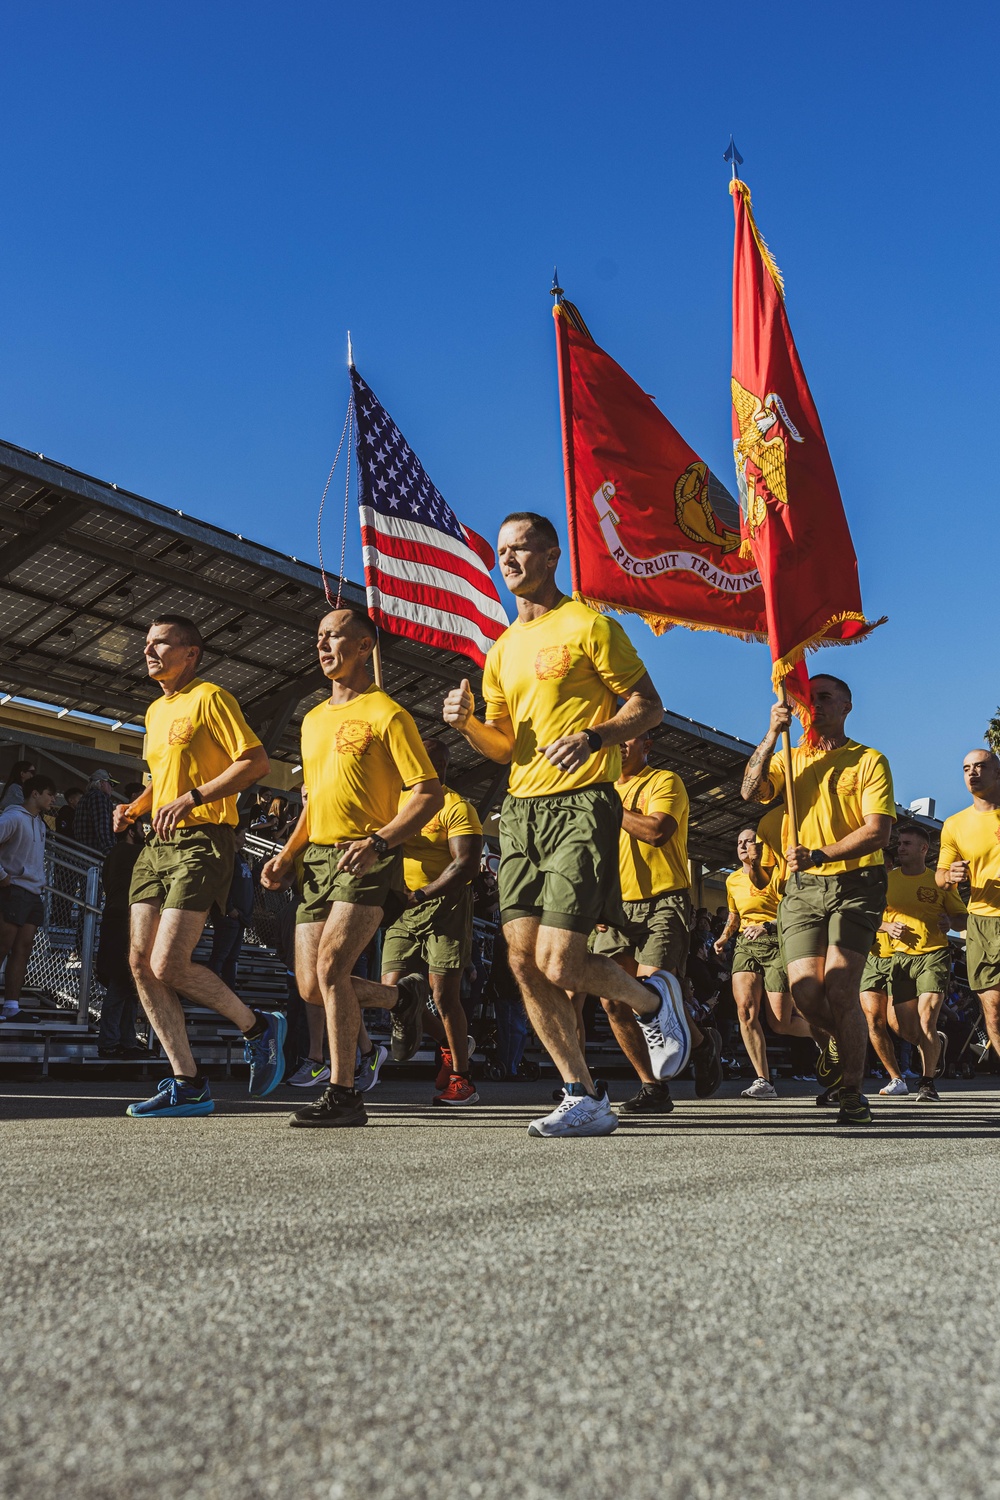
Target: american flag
(427,575)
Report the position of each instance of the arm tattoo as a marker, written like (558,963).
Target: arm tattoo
(757,786)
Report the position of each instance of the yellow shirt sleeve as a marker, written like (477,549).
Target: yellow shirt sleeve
(407,750)
(667,795)
(731,898)
(224,718)
(949,849)
(496,704)
(460,819)
(615,658)
(876,792)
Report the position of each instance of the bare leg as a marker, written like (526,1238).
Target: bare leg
(747,991)
(346,934)
(784,1018)
(307,939)
(160,959)
(549,1007)
(629,1038)
(842,977)
(990,1001)
(447,990)
(916,1021)
(578,1001)
(875,1005)
(18,954)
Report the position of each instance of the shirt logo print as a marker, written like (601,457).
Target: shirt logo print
(354,736)
(927,894)
(181,732)
(844,783)
(552,663)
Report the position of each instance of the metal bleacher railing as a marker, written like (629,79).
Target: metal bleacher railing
(61,970)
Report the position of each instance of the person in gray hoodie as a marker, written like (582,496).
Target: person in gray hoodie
(22,879)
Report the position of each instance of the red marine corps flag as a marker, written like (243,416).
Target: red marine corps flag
(793,523)
(651,530)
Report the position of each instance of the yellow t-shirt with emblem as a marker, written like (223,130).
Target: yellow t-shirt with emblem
(835,790)
(645,870)
(192,736)
(556,675)
(752,905)
(356,759)
(917,901)
(426,854)
(975,836)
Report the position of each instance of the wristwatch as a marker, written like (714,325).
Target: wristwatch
(381,845)
(196,797)
(594,741)
(817,857)
(418,895)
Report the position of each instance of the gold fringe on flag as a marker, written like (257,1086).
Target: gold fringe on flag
(660,624)
(785,664)
(740,187)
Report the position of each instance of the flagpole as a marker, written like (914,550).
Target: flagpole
(377,651)
(786,745)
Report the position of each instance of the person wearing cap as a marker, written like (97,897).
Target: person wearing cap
(92,821)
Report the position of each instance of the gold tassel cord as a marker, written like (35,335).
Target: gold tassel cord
(738,186)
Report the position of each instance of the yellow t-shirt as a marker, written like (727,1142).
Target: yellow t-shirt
(556,675)
(192,736)
(751,905)
(771,835)
(356,759)
(917,901)
(835,790)
(882,946)
(426,854)
(646,871)
(975,836)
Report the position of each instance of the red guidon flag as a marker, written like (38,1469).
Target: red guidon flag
(651,530)
(792,517)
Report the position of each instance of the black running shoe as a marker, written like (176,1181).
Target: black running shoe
(828,1096)
(707,1061)
(927,1093)
(828,1071)
(334,1107)
(854,1108)
(652,1099)
(407,1017)
(943,1059)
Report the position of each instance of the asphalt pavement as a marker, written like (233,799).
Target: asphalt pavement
(741,1300)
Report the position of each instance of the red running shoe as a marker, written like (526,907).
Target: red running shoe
(444,1071)
(458,1091)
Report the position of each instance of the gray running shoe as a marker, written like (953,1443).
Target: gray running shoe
(407,1028)
(309,1074)
(369,1067)
(943,1059)
(760,1089)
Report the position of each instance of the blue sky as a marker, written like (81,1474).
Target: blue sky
(200,200)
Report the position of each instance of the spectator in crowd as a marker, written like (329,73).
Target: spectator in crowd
(229,926)
(22,879)
(13,788)
(274,821)
(116,1036)
(92,821)
(65,814)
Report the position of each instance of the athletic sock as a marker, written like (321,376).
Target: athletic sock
(197,1082)
(257,1029)
(578,1090)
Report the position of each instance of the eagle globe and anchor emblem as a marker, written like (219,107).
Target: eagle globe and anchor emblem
(761,453)
(705,512)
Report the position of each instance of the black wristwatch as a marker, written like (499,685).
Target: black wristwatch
(594,741)
(381,844)
(417,896)
(817,857)
(196,797)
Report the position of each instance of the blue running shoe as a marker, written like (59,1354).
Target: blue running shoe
(266,1054)
(173,1100)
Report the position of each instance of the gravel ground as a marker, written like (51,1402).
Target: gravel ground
(738,1301)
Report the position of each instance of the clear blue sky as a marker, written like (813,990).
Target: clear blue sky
(200,199)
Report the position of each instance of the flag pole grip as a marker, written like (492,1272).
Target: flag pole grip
(786,745)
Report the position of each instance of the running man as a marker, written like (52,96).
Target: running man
(753,894)
(22,880)
(359,750)
(919,914)
(875,981)
(970,852)
(552,684)
(655,878)
(440,862)
(835,890)
(201,754)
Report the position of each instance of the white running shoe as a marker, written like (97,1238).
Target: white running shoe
(309,1075)
(578,1114)
(760,1089)
(10,1009)
(667,1033)
(895,1086)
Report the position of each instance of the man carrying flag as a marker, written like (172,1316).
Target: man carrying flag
(838,794)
